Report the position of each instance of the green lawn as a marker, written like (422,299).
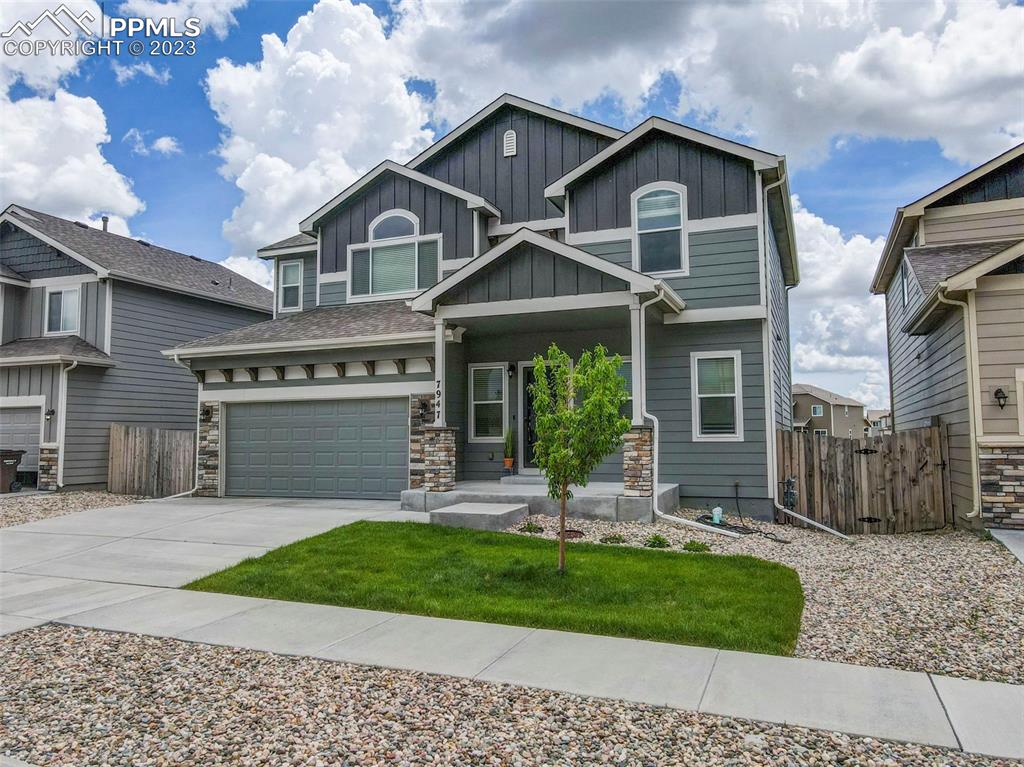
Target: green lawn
(734,602)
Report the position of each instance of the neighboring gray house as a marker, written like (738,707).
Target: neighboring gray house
(819,411)
(84,315)
(409,308)
(952,273)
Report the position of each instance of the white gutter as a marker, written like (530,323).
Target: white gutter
(971,398)
(62,428)
(657,425)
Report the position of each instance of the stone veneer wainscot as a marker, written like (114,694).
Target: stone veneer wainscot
(49,455)
(438,459)
(1002,486)
(638,462)
(208,480)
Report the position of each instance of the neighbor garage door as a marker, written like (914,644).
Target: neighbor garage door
(19,430)
(328,449)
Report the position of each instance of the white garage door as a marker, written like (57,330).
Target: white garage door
(19,430)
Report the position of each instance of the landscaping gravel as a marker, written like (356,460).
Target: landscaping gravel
(72,696)
(946,602)
(17,509)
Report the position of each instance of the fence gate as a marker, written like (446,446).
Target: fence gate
(153,462)
(893,483)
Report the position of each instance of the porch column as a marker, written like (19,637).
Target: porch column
(439,372)
(637,355)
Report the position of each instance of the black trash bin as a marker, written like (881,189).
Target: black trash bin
(9,462)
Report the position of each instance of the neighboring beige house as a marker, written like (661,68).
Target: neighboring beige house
(879,422)
(952,273)
(819,411)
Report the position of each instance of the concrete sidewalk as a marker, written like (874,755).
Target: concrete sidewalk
(113,571)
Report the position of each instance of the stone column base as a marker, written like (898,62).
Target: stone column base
(49,455)
(208,478)
(438,459)
(1002,486)
(638,462)
(421,413)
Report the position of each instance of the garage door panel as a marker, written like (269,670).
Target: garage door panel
(340,449)
(19,430)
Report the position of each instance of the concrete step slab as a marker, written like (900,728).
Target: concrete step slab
(656,673)
(480,516)
(988,717)
(875,702)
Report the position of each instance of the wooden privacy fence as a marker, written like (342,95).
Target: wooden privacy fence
(893,483)
(153,462)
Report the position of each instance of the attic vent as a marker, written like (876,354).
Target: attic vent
(509,144)
(79,223)
(215,282)
(143,242)
(195,258)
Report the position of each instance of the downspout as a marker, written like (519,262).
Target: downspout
(969,362)
(195,473)
(62,428)
(656,426)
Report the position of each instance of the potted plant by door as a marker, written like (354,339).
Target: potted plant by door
(510,450)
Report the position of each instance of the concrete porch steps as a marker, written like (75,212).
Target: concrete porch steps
(480,516)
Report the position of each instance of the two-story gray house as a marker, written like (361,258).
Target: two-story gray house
(952,273)
(409,307)
(84,315)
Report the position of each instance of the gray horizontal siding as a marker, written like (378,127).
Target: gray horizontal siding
(929,380)
(717,184)
(1000,320)
(34,380)
(545,151)
(333,293)
(33,258)
(438,212)
(31,318)
(723,267)
(707,470)
(782,382)
(144,389)
(529,271)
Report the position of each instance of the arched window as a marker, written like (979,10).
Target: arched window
(394,223)
(659,228)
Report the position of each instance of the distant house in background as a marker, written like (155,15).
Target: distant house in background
(952,272)
(819,411)
(879,422)
(84,314)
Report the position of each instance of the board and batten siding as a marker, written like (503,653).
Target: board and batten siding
(12,303)
(929,380)
(1004,183)
(723,267)
(30,320)
(33,381)
(546,150)
(717,184)
(999,316)
(33,258)
(438,212)
(706,471)
(778,297)
(145,389)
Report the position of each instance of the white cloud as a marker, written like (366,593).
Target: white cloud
(126,73)
(249,266)
(166,145)
(71,178)
(318,110)
(41,73)
(136,141)
(216,16)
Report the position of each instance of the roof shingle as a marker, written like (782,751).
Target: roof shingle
(934,263)
(295,241)
(56,347)
(824,394)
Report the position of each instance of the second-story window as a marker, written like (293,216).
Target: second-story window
(397,261)
(659,228)
(817,410)
(904,285)
(289,286)
(62,311)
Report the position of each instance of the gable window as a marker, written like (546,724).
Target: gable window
(659,228)
(289,286)
(904,291)
(487,402)
(62,310)
(817,410)
(397,262)
(717,399)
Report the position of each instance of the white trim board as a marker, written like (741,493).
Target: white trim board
(535,305)
(55,359)
(318,392)
(539,225)
(300,345)
(693,226)
(292,251)
(722,314)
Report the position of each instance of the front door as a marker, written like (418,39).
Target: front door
(528,423)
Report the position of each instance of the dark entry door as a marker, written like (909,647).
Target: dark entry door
(529,420)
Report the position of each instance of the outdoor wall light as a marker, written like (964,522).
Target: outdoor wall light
(424,410)
(511,369)
(1001,397)
(206,413)
(50,414)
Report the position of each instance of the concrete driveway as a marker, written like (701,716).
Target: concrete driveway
(91,559)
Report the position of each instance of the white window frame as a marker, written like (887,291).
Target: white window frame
(817,411)
(737,395)
(388,214)
(503,367)
(904,289)
(684,251)
(76,288)
(387,242)
(281,308)
(821,432)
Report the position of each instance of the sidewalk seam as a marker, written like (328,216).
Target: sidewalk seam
(707,682)
(510,648)
(945,712)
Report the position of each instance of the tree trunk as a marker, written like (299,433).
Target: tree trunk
(561,529)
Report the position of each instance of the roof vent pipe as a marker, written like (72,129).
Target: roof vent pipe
(105,220)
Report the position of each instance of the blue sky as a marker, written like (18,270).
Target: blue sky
(875,105)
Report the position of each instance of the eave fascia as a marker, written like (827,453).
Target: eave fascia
(295,250)
(55,359)
(277,347)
